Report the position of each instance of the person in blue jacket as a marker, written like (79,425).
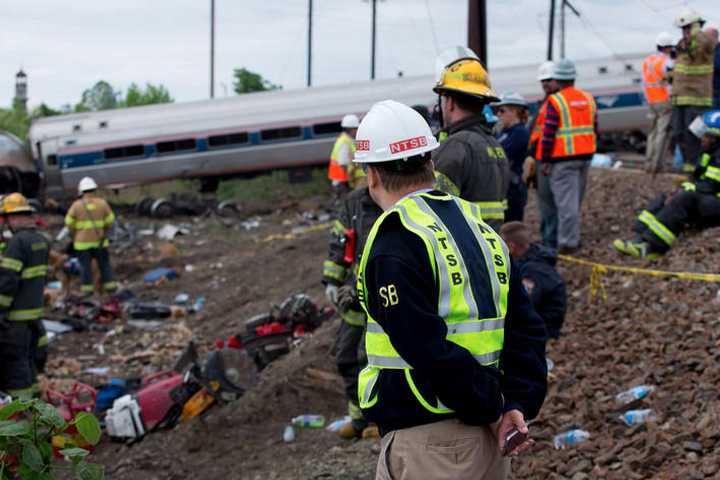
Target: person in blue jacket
(514,136)
(536,263)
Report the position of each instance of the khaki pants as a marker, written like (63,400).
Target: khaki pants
(443,450)
(658,140)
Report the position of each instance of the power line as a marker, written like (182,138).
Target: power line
(432,27)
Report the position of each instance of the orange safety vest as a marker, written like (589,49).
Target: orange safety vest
(656,87)
(335,170)
(536,134)
(576,131)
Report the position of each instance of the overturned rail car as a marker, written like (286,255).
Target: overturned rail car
(213,139)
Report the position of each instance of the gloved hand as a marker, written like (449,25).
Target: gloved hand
(331,293)
(346,297)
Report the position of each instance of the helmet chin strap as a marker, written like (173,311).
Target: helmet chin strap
(440,112)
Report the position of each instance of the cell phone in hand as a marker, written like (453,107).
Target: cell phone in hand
(513,439)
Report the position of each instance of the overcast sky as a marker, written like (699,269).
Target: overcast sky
(65,47)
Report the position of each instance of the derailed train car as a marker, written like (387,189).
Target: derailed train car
(18,173)
(218,138)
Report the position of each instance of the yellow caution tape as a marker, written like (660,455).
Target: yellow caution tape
(296,232)
(600,269)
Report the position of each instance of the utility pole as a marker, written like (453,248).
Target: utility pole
(309,43)
(562,29)
(212,48)
(565,4)
(372,42)
(477,29)
(551,30)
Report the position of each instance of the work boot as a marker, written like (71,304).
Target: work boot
(352,429)
(636,249)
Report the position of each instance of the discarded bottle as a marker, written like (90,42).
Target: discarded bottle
(309,421)
(635,393)
(198,305)
(572,437)
(289,434)
(636,417)
(335,426)
(550,364)
(182,299)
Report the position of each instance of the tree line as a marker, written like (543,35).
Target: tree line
(103,96)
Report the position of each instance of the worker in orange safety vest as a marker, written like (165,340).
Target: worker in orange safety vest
(341,157)
(656,76)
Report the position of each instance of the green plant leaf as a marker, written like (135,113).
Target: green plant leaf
(89,471)
(13,407)
(32,457)
(26,473)
(89,427)
(50,416)
(9,428)
(74,454)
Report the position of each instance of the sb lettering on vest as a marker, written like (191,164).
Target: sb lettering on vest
(389,295)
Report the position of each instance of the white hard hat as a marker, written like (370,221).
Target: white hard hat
(564,70)
(451,55)
(511,98)
(350,121)
(86,184)
(687,17)
(664,39)
(545,70)
(392,131)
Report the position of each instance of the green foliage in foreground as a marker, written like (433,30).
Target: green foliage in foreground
(27,429)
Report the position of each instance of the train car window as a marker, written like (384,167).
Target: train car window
(103,124)
(327,128)
(176,145)
(280,133)
(77,127)
(229,139)
(124,152)
(52,160)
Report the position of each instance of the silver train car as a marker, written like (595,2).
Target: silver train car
(213,139)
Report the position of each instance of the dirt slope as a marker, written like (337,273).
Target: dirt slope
(647,330)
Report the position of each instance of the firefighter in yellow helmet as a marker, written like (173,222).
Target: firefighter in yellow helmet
(470,163)
(89,220)
(22,279)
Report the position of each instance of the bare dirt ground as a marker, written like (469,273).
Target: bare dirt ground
(647,330)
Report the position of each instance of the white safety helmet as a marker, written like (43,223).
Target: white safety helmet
(564,70)
(545,70)
(87,184)
(687,17)
(664,39)
(451,55)
(511,98)
(350,121)
(392,131)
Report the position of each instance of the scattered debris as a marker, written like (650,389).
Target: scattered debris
(637,417)
(160,274)
(567,439)
(636,393)
(169,232)
(309,421)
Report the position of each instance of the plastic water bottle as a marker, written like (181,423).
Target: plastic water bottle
(573,437)
(636,417)
(289,434)
(550,364)
(335,426)
(635,393)
(309,421)
(199,304)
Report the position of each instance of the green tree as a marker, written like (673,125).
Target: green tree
(15,121)
(152,94)
(245,81)
(43,110)
(100,96)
